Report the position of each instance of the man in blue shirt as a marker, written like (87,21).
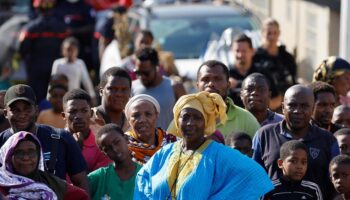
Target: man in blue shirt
(322,146)
(61,153)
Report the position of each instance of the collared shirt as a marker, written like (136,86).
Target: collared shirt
(272,117)
(322,147)
(92,154)
(238,120)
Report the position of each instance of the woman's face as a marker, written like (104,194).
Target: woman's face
(143,118)
(192,125)
(342,83)
(25,158)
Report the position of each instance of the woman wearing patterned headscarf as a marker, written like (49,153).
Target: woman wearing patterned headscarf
(195,167)
(145,139)
(335,71)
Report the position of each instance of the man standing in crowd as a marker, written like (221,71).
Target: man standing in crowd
(255,95)
(151,82)
(325,101)
(322,146)
(213,77)
(61,153)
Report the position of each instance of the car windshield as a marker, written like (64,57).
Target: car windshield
(188,37)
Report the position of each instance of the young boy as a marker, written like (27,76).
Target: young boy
(73,67)
(339,169)
(117,180)
(53,116)
(293,163)
(240,141)
(341,116)
(343,139)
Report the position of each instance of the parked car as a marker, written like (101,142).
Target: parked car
(186,29)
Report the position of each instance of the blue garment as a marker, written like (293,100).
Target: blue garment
(272,117)
(222,173)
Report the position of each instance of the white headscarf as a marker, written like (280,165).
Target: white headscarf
(138,98)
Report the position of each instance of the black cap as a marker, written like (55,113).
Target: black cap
(19,92)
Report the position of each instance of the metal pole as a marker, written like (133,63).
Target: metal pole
(344,43)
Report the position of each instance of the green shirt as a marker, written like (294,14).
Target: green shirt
(106,184)
(238,120)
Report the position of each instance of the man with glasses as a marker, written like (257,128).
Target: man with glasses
(150,81)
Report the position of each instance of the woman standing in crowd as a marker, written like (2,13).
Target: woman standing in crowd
(22,174)
(145,139)
(196,167)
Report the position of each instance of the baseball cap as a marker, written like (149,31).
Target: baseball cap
(331,67)
(19,92)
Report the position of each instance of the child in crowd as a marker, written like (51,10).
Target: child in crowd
(73,67)
(339,169)
(53,116)
(240,141)
(293,163)
(117,180)
(341,116)
(343,139)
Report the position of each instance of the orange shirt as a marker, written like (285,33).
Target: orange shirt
(50,118)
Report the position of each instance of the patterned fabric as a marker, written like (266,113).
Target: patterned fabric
(142,152)
(21,187)
(330,68)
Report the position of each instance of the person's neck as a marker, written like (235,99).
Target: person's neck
(243,70)
(125,169)
(324,126)
(272,49)
(157,80)
(150,141)
(32,129)
(115,117)
(260,115)
(299,133)
(192,145)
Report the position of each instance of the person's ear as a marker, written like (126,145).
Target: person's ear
(6,112)
(100,91)
(280,163)
(63,114)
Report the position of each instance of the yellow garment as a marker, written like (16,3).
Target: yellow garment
(210,105)
(181,165)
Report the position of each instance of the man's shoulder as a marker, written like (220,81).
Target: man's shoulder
(45,131)
(6,134)
(320,132)
(243,113)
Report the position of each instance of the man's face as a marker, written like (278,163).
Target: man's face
(344,144)
(295,165)
(297,110)
(271,33)
(21,115)
(116,93)
(55,98)
(340,176)
(324,107)
(146,72)
(143,41)
(342,117)
(243,54)
(77,113)
(255,95)
(213,80)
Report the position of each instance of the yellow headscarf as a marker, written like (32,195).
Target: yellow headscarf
(211,105)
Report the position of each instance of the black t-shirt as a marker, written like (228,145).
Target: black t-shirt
(69,157)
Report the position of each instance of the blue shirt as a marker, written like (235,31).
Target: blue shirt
(272,118)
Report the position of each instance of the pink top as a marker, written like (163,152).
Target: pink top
(92,154)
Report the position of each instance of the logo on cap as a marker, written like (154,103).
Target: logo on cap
(19,90)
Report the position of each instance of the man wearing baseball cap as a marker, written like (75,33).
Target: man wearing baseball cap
(62,155)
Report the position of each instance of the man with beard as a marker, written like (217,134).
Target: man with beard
(255,95)
(61,153)
(322,146)
(325,101)
(151,82)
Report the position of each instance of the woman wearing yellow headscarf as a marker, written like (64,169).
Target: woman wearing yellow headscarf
(195,167)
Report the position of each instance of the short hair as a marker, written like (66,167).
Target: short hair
(148,53)
(108,128)
(146,33)
(321,87)
(238,136)
(57,86)
(340,160)
(342,131)
(243,38)
(213,63)
(257,75)
(76,94)
(271,21)
(115,72)
(289,146)
(58,77)
(70,41)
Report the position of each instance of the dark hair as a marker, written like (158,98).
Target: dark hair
(76,94)
(340,160)
(289,146)
(115,72)
(58,76)
(146,33)
(257,75)
(57,86)
(238,136)
(213,63)
(342,131)
(321,87)
(70,41)
(243,38)
(148,53)
(108,128)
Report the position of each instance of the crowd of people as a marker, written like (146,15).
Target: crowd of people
(250,131)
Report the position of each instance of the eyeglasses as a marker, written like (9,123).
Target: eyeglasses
(21,154)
